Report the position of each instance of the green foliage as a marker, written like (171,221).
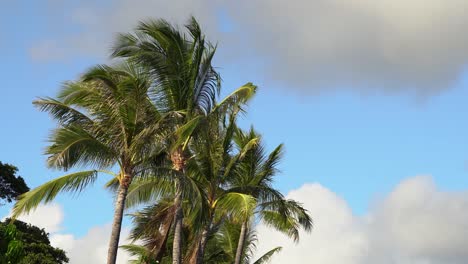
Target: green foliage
(22,243)
(11,185)
(11,248)
(155,116)
(73,182)
(234,175)
(267,256)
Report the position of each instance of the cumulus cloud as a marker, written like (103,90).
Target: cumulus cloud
(415,223)
(370,45)
(90,249)
(388,44)
(49,216)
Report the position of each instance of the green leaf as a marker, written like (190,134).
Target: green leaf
(73,145)
(240,206)
(236,99)
(74,182)
(184,133)
(267,256)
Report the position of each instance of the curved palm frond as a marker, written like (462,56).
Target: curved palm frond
(141,252)
(237,99)
(62,112)
(73,145)
(74,182)
(146,189)
(265,258)
(240,206)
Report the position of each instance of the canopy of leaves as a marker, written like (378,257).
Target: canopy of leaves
(36,248)
(11,185)
(11,249)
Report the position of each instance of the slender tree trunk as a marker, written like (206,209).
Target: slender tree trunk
(203,240)
(118,215)
(199,253)
(240,244)
(178,162)
(178,221)
(162,248)
(202,246)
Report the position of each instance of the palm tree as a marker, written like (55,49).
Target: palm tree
(212,167)
(152,227)
(106,120)
(221,247)
(185,88)
(254,177)
(207,173)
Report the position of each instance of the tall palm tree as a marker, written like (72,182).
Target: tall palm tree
(185,88)
(207,173)
(255,174)
(212,167)
(106,120)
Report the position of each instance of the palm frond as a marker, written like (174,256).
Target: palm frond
(240,206)
(150,188)
(185,132)
(73,145)
(266,258)
(74,182)
(63,113)
(236,99)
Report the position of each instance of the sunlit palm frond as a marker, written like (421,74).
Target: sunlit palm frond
(73,145)
(236,101)
(74,182)
(240,206)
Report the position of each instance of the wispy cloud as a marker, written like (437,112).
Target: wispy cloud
(313,46)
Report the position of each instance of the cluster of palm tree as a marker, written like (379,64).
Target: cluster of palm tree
(199,182)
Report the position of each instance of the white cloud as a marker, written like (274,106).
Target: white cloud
(90,249)
(389,44)
(48,216)
(415,223)
(336,238)
(63,241)
(385,45)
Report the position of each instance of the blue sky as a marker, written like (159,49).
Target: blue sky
(359,143)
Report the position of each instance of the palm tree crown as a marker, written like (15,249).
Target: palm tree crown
(105,119)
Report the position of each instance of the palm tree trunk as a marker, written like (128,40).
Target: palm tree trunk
(178,220)
(203,240)
(202,246)
(178,162)
(240,244)
(118,215)
(199,253)
(162,248)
